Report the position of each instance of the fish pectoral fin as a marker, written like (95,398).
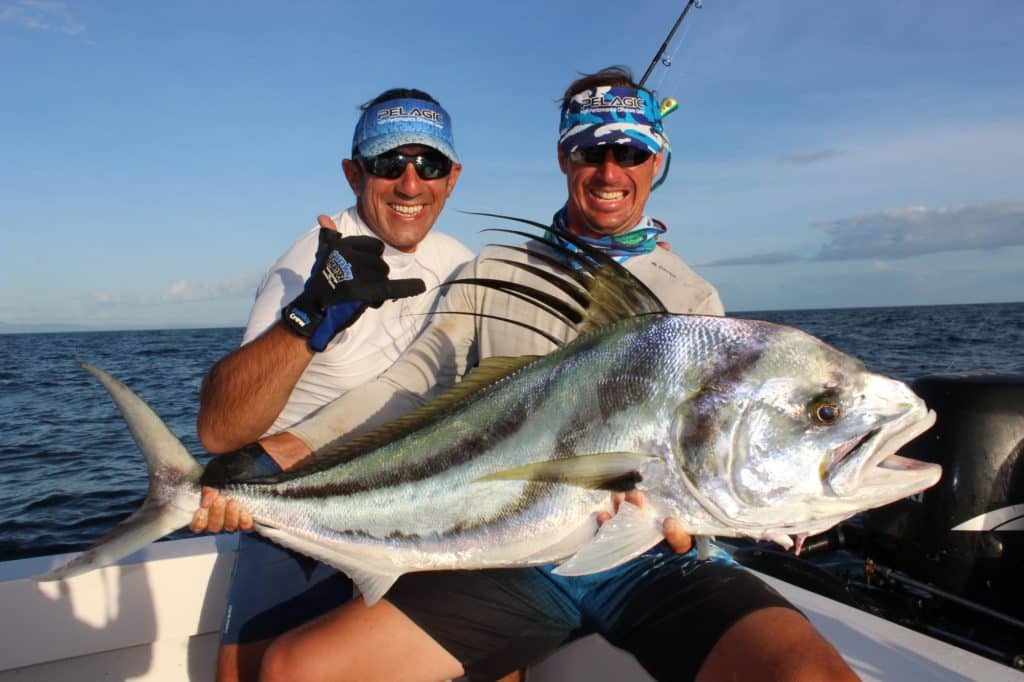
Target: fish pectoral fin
(704,549)
(779,537)
(373,581)
(372,586)
(631,532)
(617,471)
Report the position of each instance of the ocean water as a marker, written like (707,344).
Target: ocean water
(69,470)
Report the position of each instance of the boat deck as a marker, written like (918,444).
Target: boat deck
(156,617)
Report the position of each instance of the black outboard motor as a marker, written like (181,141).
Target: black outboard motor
(965,534)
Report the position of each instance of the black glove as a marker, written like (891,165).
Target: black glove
(348,275)
(249,461)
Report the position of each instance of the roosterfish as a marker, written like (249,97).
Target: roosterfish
(736,427)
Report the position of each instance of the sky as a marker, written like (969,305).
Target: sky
(156,158)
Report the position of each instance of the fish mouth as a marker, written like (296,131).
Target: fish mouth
(869,467)
(844,451)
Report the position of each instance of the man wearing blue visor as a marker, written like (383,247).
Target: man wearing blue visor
(611,146)
(681,617)
(332,313)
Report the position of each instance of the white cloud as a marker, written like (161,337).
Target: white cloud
(895,234)
(183,291)
(767,258)
(41,15)
(186,291)
(908,232)
(805,158)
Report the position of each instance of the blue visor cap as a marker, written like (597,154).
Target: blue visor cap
(391,124)
(611,115)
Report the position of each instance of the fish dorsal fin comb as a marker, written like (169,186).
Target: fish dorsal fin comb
(602,288)
(601,292)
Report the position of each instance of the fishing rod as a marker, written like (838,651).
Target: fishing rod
(667,105)
(664,45)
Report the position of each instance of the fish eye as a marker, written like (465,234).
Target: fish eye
(825,412)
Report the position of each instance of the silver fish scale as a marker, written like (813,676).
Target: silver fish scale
(657,385)
(420,491)
(721,417)
(660,385)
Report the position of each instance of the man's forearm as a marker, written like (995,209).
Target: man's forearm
(353,414)
(435,360)
(244,392)
(285,449)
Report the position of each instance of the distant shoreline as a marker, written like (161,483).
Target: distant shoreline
(83,329)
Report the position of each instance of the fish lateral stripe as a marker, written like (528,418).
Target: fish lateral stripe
(461,452)
(630,382)
(533,494)
(718,384)
(601,471)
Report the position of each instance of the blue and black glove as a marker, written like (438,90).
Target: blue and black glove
(348,276)
(249,461)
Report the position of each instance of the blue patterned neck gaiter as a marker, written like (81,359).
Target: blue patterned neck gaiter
(640,240)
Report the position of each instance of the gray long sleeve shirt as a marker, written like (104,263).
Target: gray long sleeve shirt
(454,343)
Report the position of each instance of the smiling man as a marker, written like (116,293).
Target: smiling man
(610,154)
(352,291)
(682,617)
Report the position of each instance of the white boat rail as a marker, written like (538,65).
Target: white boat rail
(156,616)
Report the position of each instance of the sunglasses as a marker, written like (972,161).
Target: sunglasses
(624,155)
(390,165)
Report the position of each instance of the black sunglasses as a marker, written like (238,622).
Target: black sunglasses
(624,155)
(390,165)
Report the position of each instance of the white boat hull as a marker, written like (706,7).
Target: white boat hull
(156,616)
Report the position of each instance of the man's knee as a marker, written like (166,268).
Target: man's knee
(276,665)
(282,662)
(288,659)
(774,643)
(240,662)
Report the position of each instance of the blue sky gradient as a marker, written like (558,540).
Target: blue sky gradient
(156,158)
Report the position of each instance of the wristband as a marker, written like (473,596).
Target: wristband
(248,462)
(302,316)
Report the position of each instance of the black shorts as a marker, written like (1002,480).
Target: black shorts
(668,610)
(274,589)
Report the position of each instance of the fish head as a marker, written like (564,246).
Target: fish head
(799,436)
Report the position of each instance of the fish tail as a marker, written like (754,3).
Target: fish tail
(173,494)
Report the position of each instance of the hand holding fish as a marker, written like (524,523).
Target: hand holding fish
(218,513)
(266,457)
(675,535)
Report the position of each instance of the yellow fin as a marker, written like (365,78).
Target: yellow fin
(603,471)
(488,372)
